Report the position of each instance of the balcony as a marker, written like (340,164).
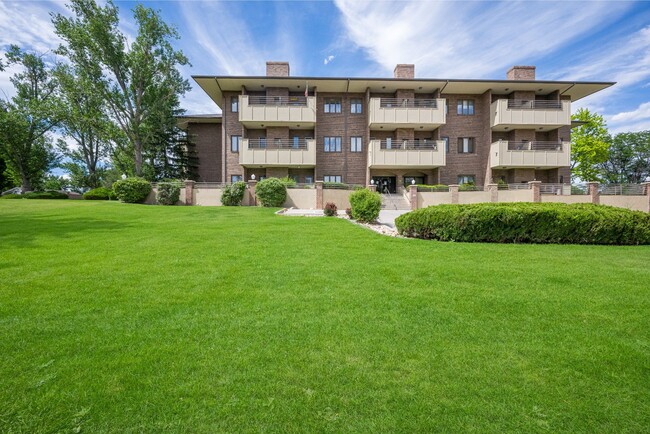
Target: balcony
(277,153)
(540,115)
(298,112)
(406,154)
(542,155)
(420,114)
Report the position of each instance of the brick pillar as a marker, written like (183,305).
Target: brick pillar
(319,194)
(252,200)
(453,189)
(494,192)
(593,192)
(189,192)
(413,196)
(372,187)
(536,190)
(646,186)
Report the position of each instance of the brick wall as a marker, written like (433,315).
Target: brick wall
(521,73)
(277,69)
(207,142)
(232,128)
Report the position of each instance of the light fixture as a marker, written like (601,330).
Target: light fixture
(383,87)
(412,181)
(124,176)
(507,89)
(372,181)
(253,177)
(539,90)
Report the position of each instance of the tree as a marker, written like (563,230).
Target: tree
(137,83)
(589,145)
(629,159)
(26,120)
(84,120)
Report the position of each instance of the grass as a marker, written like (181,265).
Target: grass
(132,318)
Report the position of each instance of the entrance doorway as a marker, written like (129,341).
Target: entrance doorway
(385,184)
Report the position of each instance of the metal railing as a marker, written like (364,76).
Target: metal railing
(550,188)
(535,145)
(407,103)
(277,144)
(622,190)
(211,184)
(534,104)
(521,186)
(396,145)
(277,100)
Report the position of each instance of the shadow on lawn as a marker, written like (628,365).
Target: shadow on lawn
(24,230)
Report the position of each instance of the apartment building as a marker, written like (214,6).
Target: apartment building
(390,131)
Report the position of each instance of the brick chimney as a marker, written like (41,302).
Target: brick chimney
(277,69)
(404,71)
(521,73)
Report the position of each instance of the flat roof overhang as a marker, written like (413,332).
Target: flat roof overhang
(215,86)
(183,121)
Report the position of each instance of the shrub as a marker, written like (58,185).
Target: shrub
(12,196)
(289,182)
(271,192)
(348,212)
(527,223)
(132,190)
(45,195)
(468,186)
(366,205)
(330,209)
(233,194)
(434,187)
(168,193)
(100,193)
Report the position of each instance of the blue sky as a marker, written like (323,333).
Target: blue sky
(597,41)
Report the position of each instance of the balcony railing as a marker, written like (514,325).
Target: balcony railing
(392,113)
(534,104)
(536,145)
(408,102)
(277,100)
(529,154)
(508,114)
(277,153)
(406,154)
(397,145)
(264,111)
(277,144)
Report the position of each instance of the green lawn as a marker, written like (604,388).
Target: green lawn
(133,318)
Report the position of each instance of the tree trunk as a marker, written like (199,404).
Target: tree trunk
(138,157)
(26,184)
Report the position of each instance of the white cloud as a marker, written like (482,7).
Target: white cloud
(328,59)
(467,39)
(634,120)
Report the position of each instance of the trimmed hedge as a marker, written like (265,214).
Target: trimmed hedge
(527,223)
(365,205)
(45,195)
(132,190)
(100,193)
(233,194)
(12,196)
(168,193)
(271,192)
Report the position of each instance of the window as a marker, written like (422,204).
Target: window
(235,178)
(262,177)
(356,106)
(408,180)
(296,142)
(466,179)
(389,142)
(234,143)
(355,144)
(262,142)
(278,143)
(466,145)
(332,144)
(309,179)
(294,177)
(234,104)
(465,106)
(332,105)
(332,178)
(446,140)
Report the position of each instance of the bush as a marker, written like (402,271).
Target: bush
(12,196)
(45,195)
(100,193)
(527,223)
(132,190)
(434,187)
(271,192)
(233,194)
(168,193)
(366,205)
(468,186)
(348,212)
(289,182)
(330,209)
